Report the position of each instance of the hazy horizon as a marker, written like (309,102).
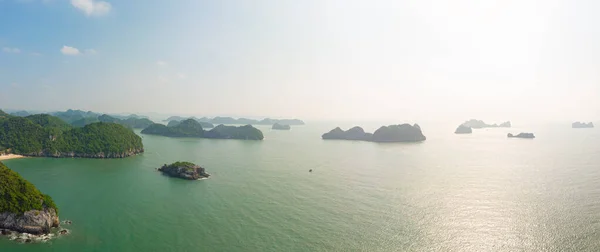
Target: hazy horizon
(313,60)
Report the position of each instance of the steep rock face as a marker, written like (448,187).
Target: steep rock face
(184,170)
(32,222)
(278,126)
(23,208)
(581,125)
(392,133)
(462,129)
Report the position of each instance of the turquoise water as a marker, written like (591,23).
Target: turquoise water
(479,192)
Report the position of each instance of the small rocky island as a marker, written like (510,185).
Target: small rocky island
(521,135)
(23,208)
(184,170)
(278,126)
(479,124)
(582,125)
(191,128)
(462,129)
(392,133)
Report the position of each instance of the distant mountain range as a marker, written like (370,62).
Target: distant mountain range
(230,120)
(80,118)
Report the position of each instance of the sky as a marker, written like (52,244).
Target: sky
(312,59)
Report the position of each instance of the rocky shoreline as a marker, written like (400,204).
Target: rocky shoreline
(32,226)
(85,155)
(33,221)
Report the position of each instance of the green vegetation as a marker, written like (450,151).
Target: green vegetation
(48,121)
(246,132)
(191,128)
(70,115)
(44,135)
(181,164)
(205,125)
(131,122)
(21,113)
(18,195)
(186,128)
(85,121)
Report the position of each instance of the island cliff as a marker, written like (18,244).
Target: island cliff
(23,208)
(392,133)
(184,170)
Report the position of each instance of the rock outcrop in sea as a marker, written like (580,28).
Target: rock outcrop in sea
(462,129)
(278,126)
(35,222)
(392,133)
(23,208)
(184,170)
(521,135)
(581,125)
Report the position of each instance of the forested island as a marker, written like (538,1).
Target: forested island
(184,170)
(23,208)
(192,128)
(231,120)
(479,124)
(392,133)
(205,125)
(44,135)
(278,126)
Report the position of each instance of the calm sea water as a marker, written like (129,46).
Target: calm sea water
(479,192)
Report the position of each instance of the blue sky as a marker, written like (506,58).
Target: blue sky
(316,59)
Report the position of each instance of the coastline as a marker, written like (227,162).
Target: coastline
(10,156)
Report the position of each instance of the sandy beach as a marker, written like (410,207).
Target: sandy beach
(10,156)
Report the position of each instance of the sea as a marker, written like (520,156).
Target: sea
(475,192)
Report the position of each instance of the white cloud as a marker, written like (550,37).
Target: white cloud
(90,51)
(163,79)
(181,76)
(11,50)
(161,63)
(92,7)
(67,50)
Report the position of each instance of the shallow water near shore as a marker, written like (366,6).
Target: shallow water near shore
(477,192)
